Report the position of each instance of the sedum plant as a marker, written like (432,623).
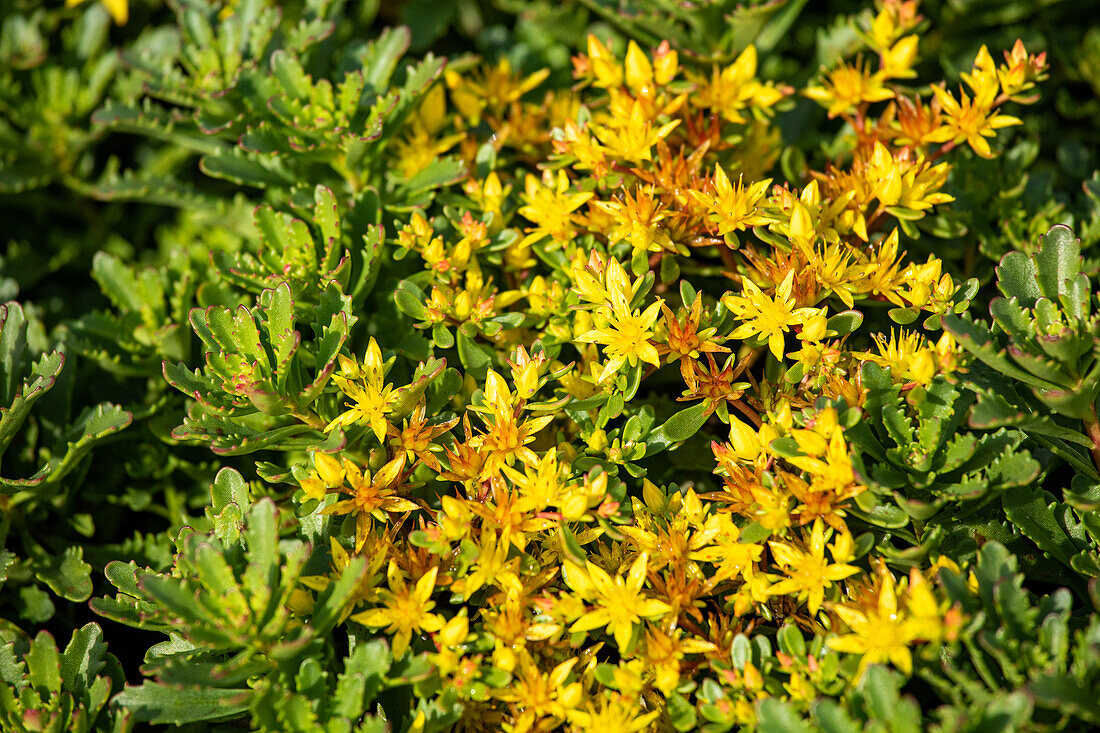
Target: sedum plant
(49,690)
(1042,375)
(234,90)
(230,606)
(43,444)
(1040,350)
(619,370)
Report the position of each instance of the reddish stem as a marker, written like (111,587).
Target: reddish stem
(1092,427)
(750,413)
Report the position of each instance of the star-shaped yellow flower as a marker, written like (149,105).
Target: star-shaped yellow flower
(768,317)
(619,602)
(808,572)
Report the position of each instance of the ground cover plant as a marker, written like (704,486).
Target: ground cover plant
(470,365)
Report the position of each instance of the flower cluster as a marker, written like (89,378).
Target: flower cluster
(533,545)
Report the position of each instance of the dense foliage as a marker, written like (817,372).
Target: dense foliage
(565,364)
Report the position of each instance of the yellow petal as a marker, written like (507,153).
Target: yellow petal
(639,72)
(329,469)
(118,9)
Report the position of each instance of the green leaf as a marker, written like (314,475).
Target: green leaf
(474,357)
(229,487)
(410,300)
(68,575)
(288,71)
(44,374)
(676,429)
(44,666)
(681,713)
(571,546)
(880,690)
(117,282)
(277,308)
(262,537)
(904,316)
(740,651)
(978,340)
(82,660)
(326,214)
(441,172)
(831,718)
(35,604)
(157,703)
(1058,260)
(13,348)
(238,168)
(1031,514)
(775,716)
(442,336)
(753,533)
(1016,278)
(845,322)
(332,602)
(1065,695)
(791,641)
(382,55)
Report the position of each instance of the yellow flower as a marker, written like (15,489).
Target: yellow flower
(119,10)
(613,713)
(630,136)
(372,399)
(730,557)
(808,572)
(539,696)
(735,88)
(906,355)
(625,339)
(879,274)
(982,77)
(627,333)
(605,67)
(419,148)
(752,593)
(422,144)
(663,652)
(619,602)
(492,88)
(883,632)
(492,568)
(371,497)
(768,317)
(407,608)
(328,474)
(642,77)
(550,206)
(341,559)
(489,196)
(832,268)
(810,215)
(507,435)
(892,20)
(637,219)
(902,180)
(1021,71)
(734,208)
(970,120)
(576,139)
(849,86)
(897,62)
